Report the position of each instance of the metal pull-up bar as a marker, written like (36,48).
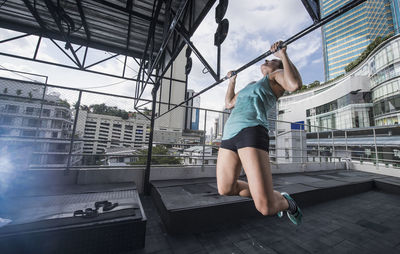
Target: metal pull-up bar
(297,36)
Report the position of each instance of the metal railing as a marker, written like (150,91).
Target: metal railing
(324,145)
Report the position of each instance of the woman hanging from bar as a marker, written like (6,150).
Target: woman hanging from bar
(245,140)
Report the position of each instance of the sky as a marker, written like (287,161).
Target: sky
(253,27)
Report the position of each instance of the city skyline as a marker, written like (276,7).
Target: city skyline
(247,38)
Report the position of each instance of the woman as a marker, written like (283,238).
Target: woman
(245,141)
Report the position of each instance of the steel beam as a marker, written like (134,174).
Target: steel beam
(52,10)
(185,37)
(83,18)
(170,31)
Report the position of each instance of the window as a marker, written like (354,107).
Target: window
(11,109)
(56,124)
(28,133)
(46,112)
(29,111)
(54,134)
(31,122)
(6,120)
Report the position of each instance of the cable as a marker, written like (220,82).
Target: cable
(124,63)
(113,84)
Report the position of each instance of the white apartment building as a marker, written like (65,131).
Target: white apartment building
(194,155)
(35,126)
(100,132)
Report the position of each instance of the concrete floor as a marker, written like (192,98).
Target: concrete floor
(364,223)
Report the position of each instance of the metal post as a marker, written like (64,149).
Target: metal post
(204,143)
(376,150)
(150,148)
(319,149)
(77,106)
(219,62)
(347,149)
(301,145)
(39,124)
(333,147)
(276,142)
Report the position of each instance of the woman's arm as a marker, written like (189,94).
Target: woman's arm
(289,78)
(230,97)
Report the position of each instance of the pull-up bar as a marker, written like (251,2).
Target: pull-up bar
(297,36)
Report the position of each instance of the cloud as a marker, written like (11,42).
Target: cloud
(316,61)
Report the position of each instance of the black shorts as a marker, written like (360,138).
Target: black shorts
(256,136)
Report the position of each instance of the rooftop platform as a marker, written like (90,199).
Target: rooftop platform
(190,206)
(43,220)
(344,212)
(367,222)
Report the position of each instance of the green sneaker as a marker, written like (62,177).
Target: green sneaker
(297,217)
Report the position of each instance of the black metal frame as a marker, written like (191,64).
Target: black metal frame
(297,36)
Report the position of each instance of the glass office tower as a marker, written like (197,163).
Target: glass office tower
(346,37)
(395,8)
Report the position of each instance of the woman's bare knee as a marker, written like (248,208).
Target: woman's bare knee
(227,190)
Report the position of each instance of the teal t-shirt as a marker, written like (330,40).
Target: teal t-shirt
(251,108)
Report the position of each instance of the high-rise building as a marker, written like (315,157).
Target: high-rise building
(347,36)
(395,8)
(223,117)
(170,93)
(271,115)
(192,114)
(216,128)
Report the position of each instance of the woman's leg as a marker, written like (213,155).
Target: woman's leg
(257,167)
(228,171)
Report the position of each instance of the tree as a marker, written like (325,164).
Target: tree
(64,103)
(103,109)
(157,150)
(146,111)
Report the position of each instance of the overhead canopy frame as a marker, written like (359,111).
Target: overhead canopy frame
(131,28)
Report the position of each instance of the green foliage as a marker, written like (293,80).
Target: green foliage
(103,109)
(19,92)
(157,150)
(30,95)
(64,103)
(366,52)
(5,90)
(146,111)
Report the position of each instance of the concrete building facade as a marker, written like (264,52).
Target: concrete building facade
(103,131)
(35,125)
